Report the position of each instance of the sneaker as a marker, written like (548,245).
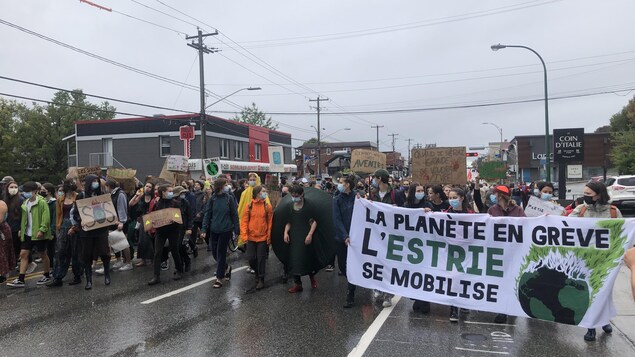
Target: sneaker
(590,335)
(100,271)
(118,264)
(31,268)
(607,328)
(454,314)
(251,271)
(55,283)
(329,268)
(37,260)
(17,283)
(126,267)
(43,280)
(165,265)
(387,302)
(464,311)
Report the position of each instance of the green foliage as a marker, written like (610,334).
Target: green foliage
(252,115)
(623,129)
(311,141)
(33,139)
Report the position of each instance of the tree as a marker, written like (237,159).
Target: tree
(38,152)
(252,115)
(623,135)
(311,141)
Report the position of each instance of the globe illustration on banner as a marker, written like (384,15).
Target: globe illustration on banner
(276,158)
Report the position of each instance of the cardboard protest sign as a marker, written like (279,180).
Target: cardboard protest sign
(177,163)
(367,161)
(125,177)
(492,170)
(496,264)
(537,207)
(81,172)
(276,159)
(97,212)
(161,218)
(439,166)
(173,177)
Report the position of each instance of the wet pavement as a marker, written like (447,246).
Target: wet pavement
(130,318)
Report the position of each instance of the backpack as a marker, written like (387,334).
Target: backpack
(249,211)
(613,211)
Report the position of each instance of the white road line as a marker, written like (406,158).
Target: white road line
(484,351)
(487,323)
(368,336)
(186,288)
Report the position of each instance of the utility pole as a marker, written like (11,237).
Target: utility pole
(393,140)
(377,127)
(319,130)
(201,48)
(409,141)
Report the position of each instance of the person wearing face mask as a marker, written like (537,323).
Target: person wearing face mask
(596,205)
(185,229)
(48,192)
(14,200)
(139,205)
(7,257)
(168,233)
(35,232)
(544,191)
(416,197)
(405,187)
(255,227)
(342,217)
(246,197)
(67,250)
(503,206)
(458,204)
(221,221)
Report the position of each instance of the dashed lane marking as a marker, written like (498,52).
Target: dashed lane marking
(484,351)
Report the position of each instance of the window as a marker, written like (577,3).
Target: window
(257,151)
(224,148)
(328,151)
(165,145)
(238,149)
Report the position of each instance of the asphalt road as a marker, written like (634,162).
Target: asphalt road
(130,318)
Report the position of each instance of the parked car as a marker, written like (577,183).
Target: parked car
(597,179)
(622,191)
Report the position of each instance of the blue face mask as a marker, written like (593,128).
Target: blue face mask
(420,195)
(169,195)
(375,183)
(94,185)
(493,199)
(27,195)
(340,187)
(536,192)
(296,199)
(455,203)
(263,195)
(226,189)
(546,196)
(252,183)
(60,194)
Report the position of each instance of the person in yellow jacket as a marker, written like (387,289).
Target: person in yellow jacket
(245,199)
(255,228)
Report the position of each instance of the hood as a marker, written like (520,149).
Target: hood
(89,190)
(258,181)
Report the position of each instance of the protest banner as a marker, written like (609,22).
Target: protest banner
(97,212)
(439,166)
(554,268)
(125,178)
(492,170)
(177,163)
(537,207)
(367,161)
(161,218)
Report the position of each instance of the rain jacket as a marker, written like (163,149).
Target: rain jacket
(343,214)
(255,226)
(245,199)
(41,220)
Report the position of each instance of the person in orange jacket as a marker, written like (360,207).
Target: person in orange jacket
(255,228)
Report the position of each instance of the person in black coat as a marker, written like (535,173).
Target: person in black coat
(185,231)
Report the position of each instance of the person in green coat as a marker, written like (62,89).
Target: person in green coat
(35,232)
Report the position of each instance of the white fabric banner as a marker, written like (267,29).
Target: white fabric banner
(552,268)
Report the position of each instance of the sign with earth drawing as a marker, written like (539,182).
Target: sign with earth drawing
(212,168)
(553,268)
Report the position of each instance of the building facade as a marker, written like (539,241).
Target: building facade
(144,143)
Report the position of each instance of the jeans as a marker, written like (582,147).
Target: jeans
(257,257)
(172,236)
(219,243)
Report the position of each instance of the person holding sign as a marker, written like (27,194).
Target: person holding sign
(503,206)
(596,205)
(170,233)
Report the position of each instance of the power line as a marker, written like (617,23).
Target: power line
(164,13)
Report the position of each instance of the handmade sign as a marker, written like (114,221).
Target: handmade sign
(161,218)
(276,159)
(125,177)
(97,212)
(554,268)
(367,161)
(81,172)
(537,207)
(439,166)
(177,163)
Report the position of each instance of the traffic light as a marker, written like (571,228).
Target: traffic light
(471,154)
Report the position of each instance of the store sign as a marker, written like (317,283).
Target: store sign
(568,144)
(574,171)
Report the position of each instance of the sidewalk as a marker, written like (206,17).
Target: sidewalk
(625,305)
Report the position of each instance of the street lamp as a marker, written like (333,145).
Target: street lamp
(544,67)
(500,147)
(204,119)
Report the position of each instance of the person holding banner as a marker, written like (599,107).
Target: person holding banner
(168,233)
(416,197)
(596,205)
(438,198)
(94,243)
(503,206)
(343,205)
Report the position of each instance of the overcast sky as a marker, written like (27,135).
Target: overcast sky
(366,55)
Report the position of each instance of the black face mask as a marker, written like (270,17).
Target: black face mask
(588,200)
(284,194)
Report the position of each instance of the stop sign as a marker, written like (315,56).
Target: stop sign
(186,132)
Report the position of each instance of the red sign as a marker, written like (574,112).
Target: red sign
(186,132)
